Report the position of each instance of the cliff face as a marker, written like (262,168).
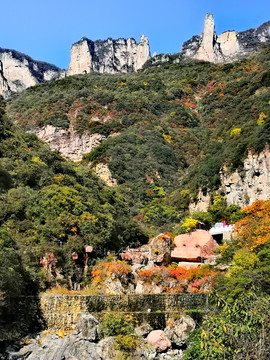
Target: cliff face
(227,47)
(108,56)
(252,183)
(70,144)
(242,187)
(19,71)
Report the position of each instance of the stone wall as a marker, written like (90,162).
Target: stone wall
(62,312)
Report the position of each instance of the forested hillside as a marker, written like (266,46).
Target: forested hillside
(174,126)
(169,129)
(50,205)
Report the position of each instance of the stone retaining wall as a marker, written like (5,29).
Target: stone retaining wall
(61,312)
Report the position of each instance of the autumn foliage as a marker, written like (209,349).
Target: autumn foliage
(110,269)
(179,279)
(254,229)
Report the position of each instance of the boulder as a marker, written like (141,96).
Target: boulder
(144,288)
(144,351)
(81,350)
(113,287)
(106,349)
(158,340)
(143,329)
(178,330)
(87,326)
(160,249)
(171,354)
(70,347)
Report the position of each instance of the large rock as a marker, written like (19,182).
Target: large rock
(87,326)
(194,246)
(106,349)
(18,72)
(252,183)
(227,47)
(69,143)
(145,288)
(209,50)
(160,249)
(103,171)
(52,347)
(108,56)
(178,330)
(158,340)
(143,329)
(82,350)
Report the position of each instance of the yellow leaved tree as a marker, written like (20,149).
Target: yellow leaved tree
(254,229)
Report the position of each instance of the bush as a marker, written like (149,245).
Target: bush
(126,343)
(115,324)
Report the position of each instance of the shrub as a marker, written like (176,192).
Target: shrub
(126,343)
(104,270)
(115,324)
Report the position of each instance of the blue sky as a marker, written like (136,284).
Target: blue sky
(45,30)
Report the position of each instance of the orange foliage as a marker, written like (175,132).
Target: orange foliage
(105,270)
(159,274)
(254,229)
(181,273)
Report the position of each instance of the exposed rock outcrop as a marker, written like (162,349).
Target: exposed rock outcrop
(108,56)
(160,249)
(227,47)
(69,143)
(244,186)
(202,203)
(18,72)
(251,183)
(178,330)
(103,171)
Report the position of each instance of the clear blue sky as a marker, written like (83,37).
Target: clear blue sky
(45,30)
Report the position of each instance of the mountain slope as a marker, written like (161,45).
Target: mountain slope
(170,129)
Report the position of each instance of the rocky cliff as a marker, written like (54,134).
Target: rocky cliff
(108,56)
(69,143)
(251,183)
(18,72)
(242,187)
(227,47)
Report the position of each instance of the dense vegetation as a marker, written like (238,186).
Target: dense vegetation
(177,125)
(50,209)
(239,328)
(174,128)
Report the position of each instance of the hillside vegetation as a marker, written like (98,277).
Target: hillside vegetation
(176,126)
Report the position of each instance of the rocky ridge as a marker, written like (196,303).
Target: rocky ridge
(227,47)
(18,72)
(108,56)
